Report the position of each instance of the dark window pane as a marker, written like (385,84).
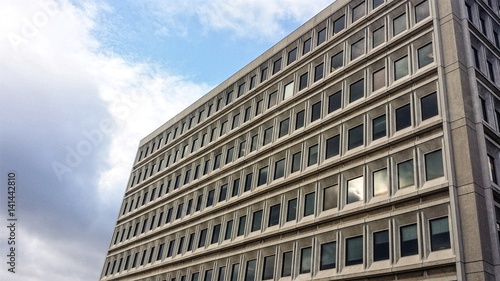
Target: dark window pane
(229,230)
(229,155)
(241,91)
(332,146)
(354,250)
(357,49)
(208,275)
(215,234)
(199,202)
(223,193)
(339,24)
(334,101)
(241,225)
(296,159)
(425,55)
(318,72)
(356,90)
(277,66)
(286,268)
(378,80)
(272,99)
(195,276)
(274,215)
(422,11)
(263,74)
(222,274)
(355,190)
(440,234)
(307,46)
(253,143)
(358,12)
(409,240)
(316,111)
(284,125)
(279,169)
(292,56)
(434,165)
(299,120)
(484,109)
(252,81)
(236,187)
(303,81)
(250,271)
(248,182)
(403,117)
(309,204)
(210,198)
(328,256)
(405,174)
(268,136)
(235,272)
(399,24)
(377,3)
(291,210)
(337,61)
(203,238)
(262,176)
(379,127)
(378,36)
(492,167)
(381,245)
(313,155)
(321,36)
(257,220)
(355,136)
(305,260)
(268,268)
(400,68)
(429,106)
(330,197)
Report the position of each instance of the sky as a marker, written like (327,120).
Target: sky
(81,83)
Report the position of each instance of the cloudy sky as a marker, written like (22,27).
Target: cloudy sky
(81,82)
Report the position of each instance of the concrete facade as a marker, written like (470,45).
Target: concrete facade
(363,146)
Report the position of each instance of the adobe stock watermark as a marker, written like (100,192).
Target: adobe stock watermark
(31,26)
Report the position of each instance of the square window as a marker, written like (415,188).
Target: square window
(291,214)
(250,272)
(276,66)
(357,49)
(406,176)
(422,11)
(316,111)
(378,36)
(305,260)
(328,256)
(321,36)
(378,81)
(409,240)
(429,106)
(309,204)
(434,165)
(377,3)
(284,127)
(356,90)
(380,182)
(268,136)
(334,101)
(332,146)
(355,137)
(318,72)
(273,97)
(403,117)
(381,245)
(279,169)
(358,12)
(292,56)
(229,230)
(299,120)
(401,68)
(425,55)
(286,268)
(313,155)
(248,182)
(303,81)
(399,24)
(379,127)
(268,268)
(288,91)
(257,220)
(274,215)
(440,234)
(307,46)
(241,225)
(337,61)
(355,190)
(354,250)
(262,176)
(339,24)
(296,159)
(330,197)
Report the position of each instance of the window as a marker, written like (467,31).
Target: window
(277,66)
(268,136)
(178,215)
(405,174)
(305,260)
(272,99)
(377,3)
(257,220)
(318,72)
(337,61)
(253,143)
(190,242)
(422,11)
(250,271)
(399,24)
(288,91)
(217,161)
(229,230)
(321,36)
(263,74)
(247,114)
(223,193)
(357,49)
(279,169)
(316,111)
(235,271)
(236,121)
(241,225)
(434,165)
(187,176)
(171,246)
(291,214)
(286,267)
(210,198)
(309,204)
(292,56)
(355,136)
(313,155)
(268,268)
(229,96)
(429,106)
(203,238)
(380,182)
(381,245)
(440,234)
(354,250)
(229,155)
(307,46)
(403,117)
(334,101)
(339,24)
(328,256)
(358,12)
(248,182)
(378,36)
(195,276)
(219,104)
(409,240)
(181,245)
(469,11)
(493,173)
(303,81)
(236,187)
(356,90)
(241,91)
(299,120)
(215,234)
(284,125)
(484,109)
(378,79)
(425,55)
(296,159)
(355,190)
(491,71)
(262,176)
(252,81)
(482,23)
(379,128)
(330,197)
(199,202)
(400,68)
(208,275)
(332,146)
(274,215)
(241,151)
(475,53)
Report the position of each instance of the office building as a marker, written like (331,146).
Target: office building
(364,146)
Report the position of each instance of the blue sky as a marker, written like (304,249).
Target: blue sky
(81,82)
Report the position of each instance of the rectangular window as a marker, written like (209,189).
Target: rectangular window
(358,12)
(377,3)
(257,220)
(422,11)
(215,234)
(235,272)
(305,260)
(223,193)
(171,246)
(378,79)
(286,267)
(250,271)
(247,114)
(248,182)
(217,161)
(274,215)
(400,68)
(296,159)
(229,96)
(190,242)
(399,24)
(313,155)
(318,72)
(482,23)
(434,165)
(484,109)
(330,197)
(279,169)
(241,151)
(276,66)
(307,46)
(263,75)
(203,238)
(409,240)
(355,190)
(357,49)
(284,127)
(334,101)
(355,136)
(381,245)
(210,198)
(299,120)
(236,121)
(241,225)
(354,250)
(321,36)
(440,234)
(229,230)
(236,187)
(229,155)
(272,99)
(253,143)
(475,53)
(339,24)
(491,70)
(178,215)
(288,90)
(195,276)
(292,56)
(380,182)
(219,104)
(262,176)
(291,214)
(403,117)
(425,55)
(303,81)
(208,275)
(378,36)
(316,111)
(356,90)
(469,12)
(332,146)
(258,107)
(181,245)
(199,202)
(379,128)
(328,256)
(429,106)
(405,174)
(241,90)
(252,81)
(268,268)
(337,61)
(309,201)
(268,136)
(493,173)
